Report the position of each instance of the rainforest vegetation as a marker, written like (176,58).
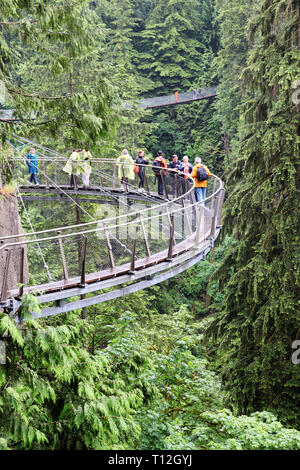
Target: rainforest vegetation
(202,361)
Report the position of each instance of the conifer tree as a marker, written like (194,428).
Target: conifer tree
(47,50)
(179,40)
(260,317)
(232,16)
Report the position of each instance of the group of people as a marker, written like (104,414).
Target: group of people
(79,164)
(199,172)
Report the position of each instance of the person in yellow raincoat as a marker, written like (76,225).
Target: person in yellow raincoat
(79,164)
(125,166)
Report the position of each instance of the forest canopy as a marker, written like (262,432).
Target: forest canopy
(202,361)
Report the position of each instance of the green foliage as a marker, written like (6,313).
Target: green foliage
(54,394)
(138,372)
(51,72)
(260,315)
(178,43)
(259,431)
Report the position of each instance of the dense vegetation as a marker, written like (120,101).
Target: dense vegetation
(203,360)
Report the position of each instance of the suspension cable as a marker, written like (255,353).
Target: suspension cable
(81,208)
(31,226)
(98,173)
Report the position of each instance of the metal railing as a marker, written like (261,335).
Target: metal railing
(123,243)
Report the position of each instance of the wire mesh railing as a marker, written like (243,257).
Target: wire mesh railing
(123,243)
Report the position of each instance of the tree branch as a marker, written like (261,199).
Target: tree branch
(13,23)
(26,95)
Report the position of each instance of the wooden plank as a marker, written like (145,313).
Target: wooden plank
(108,273)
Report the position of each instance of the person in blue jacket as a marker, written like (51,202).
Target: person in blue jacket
(32,163)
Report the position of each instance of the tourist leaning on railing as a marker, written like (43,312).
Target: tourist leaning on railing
(200,174)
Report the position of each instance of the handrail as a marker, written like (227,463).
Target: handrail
(104,222)
(69,227)
(79,259)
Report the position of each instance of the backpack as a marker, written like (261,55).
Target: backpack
(202,174)
(159,165)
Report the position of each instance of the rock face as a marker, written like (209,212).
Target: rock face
(10,224)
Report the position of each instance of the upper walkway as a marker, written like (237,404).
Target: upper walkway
(135,240)
(177,98)
(7,115)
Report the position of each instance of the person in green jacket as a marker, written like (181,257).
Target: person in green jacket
(125,166)
(79,164)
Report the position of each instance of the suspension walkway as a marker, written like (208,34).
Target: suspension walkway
(177,98)
(7,115)
(144,240)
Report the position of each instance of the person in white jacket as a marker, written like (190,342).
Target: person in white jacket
(79,164)
(125,166)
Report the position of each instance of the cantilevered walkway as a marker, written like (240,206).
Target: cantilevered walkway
(136,240)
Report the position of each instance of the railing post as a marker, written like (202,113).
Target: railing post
(170,220)
(100,176)
(171,242)
(55,172)
(213,218)
(124,182)
(4,289)
(186,186)
(83,257)
(220,207)
(146,181)
(110,251)
(199,235)
(22,272)
(163,177)
(145,238)
(62,255)
(45,174)
(132,261)
(178,187)
(114,177)
(214,186)
(187,218)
